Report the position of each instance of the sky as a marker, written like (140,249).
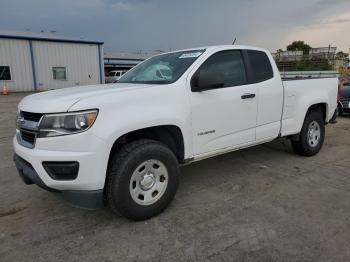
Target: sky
(148,25)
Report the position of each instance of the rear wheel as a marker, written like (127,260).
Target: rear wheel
(142,179)
(312,135)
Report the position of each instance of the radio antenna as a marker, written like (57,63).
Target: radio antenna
(234,41)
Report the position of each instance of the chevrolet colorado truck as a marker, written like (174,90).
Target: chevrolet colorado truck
(122,143)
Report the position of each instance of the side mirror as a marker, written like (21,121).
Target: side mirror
(206,80)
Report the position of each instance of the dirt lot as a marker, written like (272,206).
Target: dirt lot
(259,204)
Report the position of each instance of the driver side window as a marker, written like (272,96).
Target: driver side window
(228,64)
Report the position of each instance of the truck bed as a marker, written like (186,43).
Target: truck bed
(300,94)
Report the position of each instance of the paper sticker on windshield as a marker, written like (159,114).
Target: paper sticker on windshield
(190,55)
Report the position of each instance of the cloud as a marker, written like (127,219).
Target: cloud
(131,25)
(121,6)
(333,31)
(330,2)
(339,21)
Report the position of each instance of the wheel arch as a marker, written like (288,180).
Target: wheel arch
(319,107)
(169,135)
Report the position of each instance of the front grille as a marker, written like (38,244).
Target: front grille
(345,101)
(35,117)
(28,136)
(27,126)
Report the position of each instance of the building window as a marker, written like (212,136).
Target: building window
(5,73)
(59,73)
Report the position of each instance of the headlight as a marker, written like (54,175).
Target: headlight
(66,123)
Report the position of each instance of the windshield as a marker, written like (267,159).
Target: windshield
(162,69)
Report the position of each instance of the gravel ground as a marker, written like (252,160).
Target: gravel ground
(258,204)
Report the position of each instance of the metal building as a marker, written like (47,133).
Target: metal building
(37,61)
(122,60)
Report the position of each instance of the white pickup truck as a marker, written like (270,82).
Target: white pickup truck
(114,76)
(123,143)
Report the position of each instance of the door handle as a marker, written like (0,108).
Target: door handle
(248,96)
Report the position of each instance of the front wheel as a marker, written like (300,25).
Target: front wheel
(142,179)
(312,135)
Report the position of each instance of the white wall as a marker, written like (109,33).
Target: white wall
(80,60)
(16,54)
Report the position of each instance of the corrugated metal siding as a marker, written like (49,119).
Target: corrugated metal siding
(80,60)
(16,54)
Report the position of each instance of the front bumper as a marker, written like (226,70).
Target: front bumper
(88,150)
(344,105)
(85,148)
(88,199)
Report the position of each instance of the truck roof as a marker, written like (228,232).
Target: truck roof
(215,47)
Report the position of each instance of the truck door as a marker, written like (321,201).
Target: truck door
(265,75)
(224,116)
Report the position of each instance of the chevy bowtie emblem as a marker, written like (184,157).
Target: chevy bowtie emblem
(20,121)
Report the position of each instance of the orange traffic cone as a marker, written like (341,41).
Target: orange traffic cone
(4,91)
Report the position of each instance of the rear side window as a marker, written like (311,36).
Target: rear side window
(260,66)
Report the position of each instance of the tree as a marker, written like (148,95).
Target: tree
(299,46)
(341,55)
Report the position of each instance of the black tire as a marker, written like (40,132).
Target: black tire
(302,146)
(122,166)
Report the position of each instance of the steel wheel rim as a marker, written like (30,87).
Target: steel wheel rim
(314,134)
(149,182)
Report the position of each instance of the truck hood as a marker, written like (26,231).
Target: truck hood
(61,100)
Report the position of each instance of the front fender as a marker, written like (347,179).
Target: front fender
(152,106)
